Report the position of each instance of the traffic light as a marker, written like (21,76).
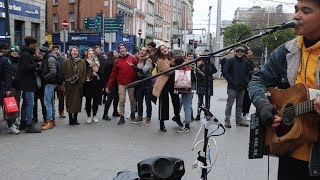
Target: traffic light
(179,42)
(195,45)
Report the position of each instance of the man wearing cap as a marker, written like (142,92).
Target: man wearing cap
(124,74)
(296,61)
(48,78)
(236,72)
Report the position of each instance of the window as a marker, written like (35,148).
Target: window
(72,1)
(55,22)
(55,2)
(71,22)
(150,8)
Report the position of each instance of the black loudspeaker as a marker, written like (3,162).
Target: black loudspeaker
(161,167)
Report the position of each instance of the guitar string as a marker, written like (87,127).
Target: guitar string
(303,107)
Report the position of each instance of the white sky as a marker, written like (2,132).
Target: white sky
(228,7)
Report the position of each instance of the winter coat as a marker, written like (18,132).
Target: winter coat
(122,72)
(93,86)
(201,83)
(236,72)
(27,69)
(74,92)
(49,69)
(163,64)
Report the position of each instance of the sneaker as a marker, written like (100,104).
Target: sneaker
(17,122)
(89,120)
(227,124)
(137,120)
(184,130)
(14,129)
(243,124)
(148,122)
(177,120)
(133,116)
(31,129)
(95,119)
(121,120)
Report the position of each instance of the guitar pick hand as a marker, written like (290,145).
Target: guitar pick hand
(317,105)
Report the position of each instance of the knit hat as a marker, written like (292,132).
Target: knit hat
(120,45)
(44,48)
(14,48)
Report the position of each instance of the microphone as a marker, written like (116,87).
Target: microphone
(290,24)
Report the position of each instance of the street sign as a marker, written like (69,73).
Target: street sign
(65,24)
(93,23)
(64,36)
(114,25)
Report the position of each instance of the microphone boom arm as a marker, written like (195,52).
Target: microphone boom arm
(267,32)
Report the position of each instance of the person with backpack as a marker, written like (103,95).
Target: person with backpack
(49,81)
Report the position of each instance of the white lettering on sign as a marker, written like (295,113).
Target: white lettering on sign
(124,39)
(15,8)
(1,4)
(79,38)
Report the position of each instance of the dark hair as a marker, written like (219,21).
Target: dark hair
(30,40)
(109,56)
(152,44)
(4,45)
(178,60)
(96,47)
(189,53)
(158,51)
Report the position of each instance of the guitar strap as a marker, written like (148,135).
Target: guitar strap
(314,163)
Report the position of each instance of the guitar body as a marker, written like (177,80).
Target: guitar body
(304,128)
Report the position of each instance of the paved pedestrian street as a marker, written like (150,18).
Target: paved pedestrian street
(100,150)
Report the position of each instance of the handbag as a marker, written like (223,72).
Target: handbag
(182,79)
(10,108)
(74,79)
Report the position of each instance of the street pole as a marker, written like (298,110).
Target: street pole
(185,29)
(7,21)
(64,40)
(208,35)
(102,30)
(218,37)
(110,15)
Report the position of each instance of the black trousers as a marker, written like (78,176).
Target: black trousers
(60,96)
(164,102)
(112,96)
(92,102)
(293,169)
(246,103)
(39,95)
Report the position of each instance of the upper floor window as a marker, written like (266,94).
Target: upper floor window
(71,22)
(72,1)
(55,23)
(55,2)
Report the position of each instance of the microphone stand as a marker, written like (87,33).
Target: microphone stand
(207,64)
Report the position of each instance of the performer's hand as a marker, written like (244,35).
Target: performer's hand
(107,90)
(267,114)
(317,105)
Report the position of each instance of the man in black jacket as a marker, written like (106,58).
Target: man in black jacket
(26,81)
(236,72)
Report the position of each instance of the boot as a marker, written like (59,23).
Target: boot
(162,127)
(106,117)
(137,120)
(121,120)
(31,129)
(22,125)
(61,115)
(71,122)
(177,120)
(48,125)
(133,116)
(54,123)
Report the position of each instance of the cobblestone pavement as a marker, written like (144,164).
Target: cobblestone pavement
(99,151)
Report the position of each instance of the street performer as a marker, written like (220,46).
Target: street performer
(296,61)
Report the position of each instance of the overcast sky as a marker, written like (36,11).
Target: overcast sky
(228,7)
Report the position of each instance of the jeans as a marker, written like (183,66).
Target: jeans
(187,106)
(201,102)
(141,92)
(113,95)
(49,100)
(27,107)
(122,99)
(238,96)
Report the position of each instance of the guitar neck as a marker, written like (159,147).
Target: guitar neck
(304,107)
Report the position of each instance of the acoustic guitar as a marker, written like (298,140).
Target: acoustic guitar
(300,123)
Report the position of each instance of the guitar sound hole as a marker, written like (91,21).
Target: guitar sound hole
(288,114)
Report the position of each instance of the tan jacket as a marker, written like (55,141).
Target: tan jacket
(162,65)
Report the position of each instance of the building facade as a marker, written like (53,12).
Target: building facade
(26,18)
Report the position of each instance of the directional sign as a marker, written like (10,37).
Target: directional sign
(93,23)
(112,25)
(65,24)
